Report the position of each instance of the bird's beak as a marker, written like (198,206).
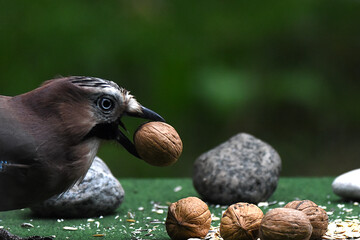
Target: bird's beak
(143,113)
(146,114)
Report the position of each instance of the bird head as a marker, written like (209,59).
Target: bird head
(88,107)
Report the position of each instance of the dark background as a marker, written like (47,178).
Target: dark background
(287,72)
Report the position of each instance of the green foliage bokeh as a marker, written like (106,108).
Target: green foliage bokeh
(286,72)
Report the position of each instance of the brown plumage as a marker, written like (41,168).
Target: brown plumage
(49,136)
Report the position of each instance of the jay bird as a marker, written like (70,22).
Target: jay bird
(50,136)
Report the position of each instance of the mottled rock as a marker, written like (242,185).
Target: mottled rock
(99,193)
(242,169)
(347,185)
(6,235)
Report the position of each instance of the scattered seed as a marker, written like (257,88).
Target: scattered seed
(70,228)
(341,205)
(157,206)
(339,229)
(27,225)
(130,215)
(99,235)
(130,220)
(272,203)
(177,188)
(214,218)
(97,224)
(158,211)
(263,204)
(155,221)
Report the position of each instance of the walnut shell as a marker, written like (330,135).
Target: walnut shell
(158,143)
(284,224)
(188,218)
(241,221)
(317,216)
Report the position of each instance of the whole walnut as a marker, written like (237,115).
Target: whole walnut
(158,143)
(241,221)
(284,224)
(317,216)
(188,218)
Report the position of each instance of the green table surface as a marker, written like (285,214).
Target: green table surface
(146,203)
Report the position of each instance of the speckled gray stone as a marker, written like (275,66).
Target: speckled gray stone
(99,193)
(242,169)
(347,185)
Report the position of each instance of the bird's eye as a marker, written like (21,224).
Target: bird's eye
(106,104)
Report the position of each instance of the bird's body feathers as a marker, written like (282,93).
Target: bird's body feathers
(50,136)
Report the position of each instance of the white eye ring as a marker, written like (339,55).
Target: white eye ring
(106,104)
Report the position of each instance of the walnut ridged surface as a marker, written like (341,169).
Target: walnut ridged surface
(317,216)
(241,221)
(158,143)
(188,218)
(285,224)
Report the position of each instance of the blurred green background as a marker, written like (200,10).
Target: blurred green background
(287,72)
